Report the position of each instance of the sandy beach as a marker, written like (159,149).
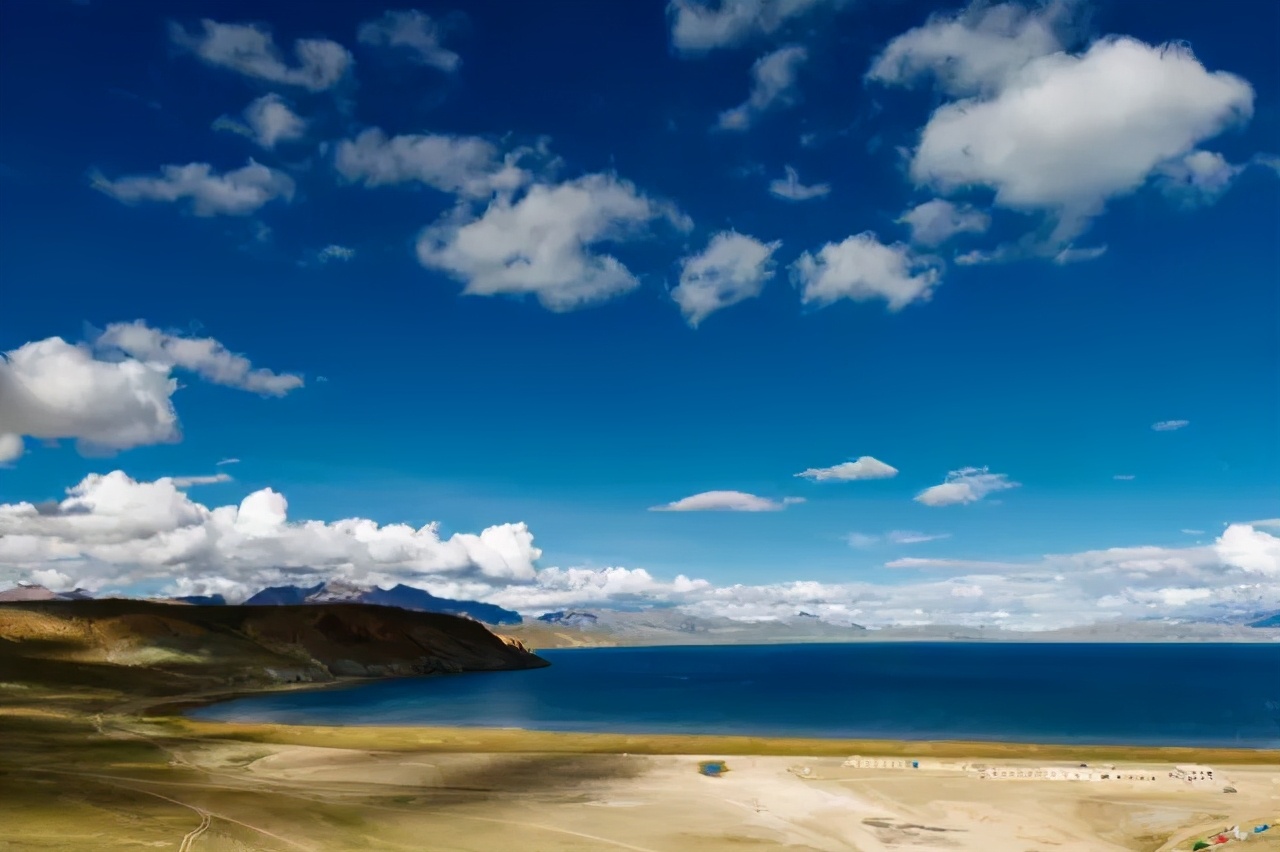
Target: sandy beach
(76,780)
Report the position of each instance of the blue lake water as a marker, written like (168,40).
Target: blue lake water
(1189,695)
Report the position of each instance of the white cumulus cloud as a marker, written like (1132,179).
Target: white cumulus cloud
(235,193)
(698,26)
(115,393)
(1198,177)
(726,501)
(865,467)
(973,51)
(335,252)
(1057,135)
(546,243)
(934,222)
(112,530)
(463,165)
(267,121)
(733,267)
(773,82)
(113,533)
(412,32)
(560,588)
(791,189)
(967,485)
(862,268)
(249,49)
(11,446)
(203,356)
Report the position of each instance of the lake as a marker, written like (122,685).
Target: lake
(1126,694)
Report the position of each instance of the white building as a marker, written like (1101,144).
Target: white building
(1097,774)
(882,762)
(1192,773)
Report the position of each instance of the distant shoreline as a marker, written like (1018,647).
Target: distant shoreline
(1019,639)
(172,713)
(519,740)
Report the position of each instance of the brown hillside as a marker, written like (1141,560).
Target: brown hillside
(162,649)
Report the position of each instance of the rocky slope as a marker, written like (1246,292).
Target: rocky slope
(160,649)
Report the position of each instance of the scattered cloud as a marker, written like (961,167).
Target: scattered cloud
(1170,425)
(414,34)
(561,588)
(773,81)
(967,485)
(463,165)
(975,51)
(1197,178)
(862,268)
(934,222)
(249,49)
(115,392)
(1071,254)
(726,501)
(228,461)
(1192,532)
(544,244)
(1056,135)
(234,193)
(791,189)
(113,533)
(191,481)
(267,121)
(203,356)
(732,268)
(868,540)
(1124,477)
(335,252)
(698,27)
(11,447)
(865,467)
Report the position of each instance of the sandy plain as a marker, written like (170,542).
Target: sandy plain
(79,770)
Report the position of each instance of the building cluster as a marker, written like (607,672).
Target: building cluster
(1192,773)
(1065,773)
(1187,773)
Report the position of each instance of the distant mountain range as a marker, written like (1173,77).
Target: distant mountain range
(33,592)
(401,596)
(672,626)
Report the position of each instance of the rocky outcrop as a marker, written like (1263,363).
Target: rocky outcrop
(183,648)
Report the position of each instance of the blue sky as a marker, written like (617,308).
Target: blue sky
(605,135)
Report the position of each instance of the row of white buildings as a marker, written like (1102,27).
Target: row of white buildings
(1186,773)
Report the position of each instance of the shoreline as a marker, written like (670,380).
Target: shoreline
(440,738)
(522,740)
(173,712)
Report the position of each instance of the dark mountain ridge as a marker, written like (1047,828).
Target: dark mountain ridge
(168,648)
